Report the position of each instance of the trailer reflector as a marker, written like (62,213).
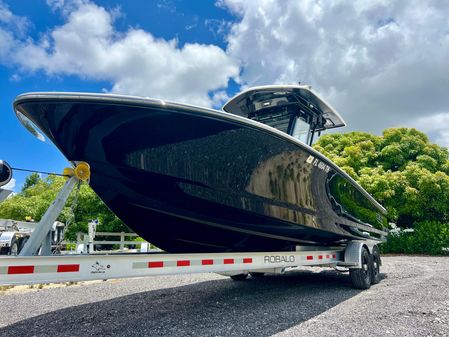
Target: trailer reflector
(309,257)
(207,262)
(68,268)
(248,260)
(228,261)
(183,263)
(20,269)
(155,264)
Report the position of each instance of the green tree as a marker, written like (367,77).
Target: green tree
(401,169)
(31,180)
(38,194)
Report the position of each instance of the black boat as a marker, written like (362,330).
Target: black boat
(191,179)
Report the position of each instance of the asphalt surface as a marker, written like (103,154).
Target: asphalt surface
(411,300)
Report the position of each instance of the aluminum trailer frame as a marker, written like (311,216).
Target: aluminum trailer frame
(72,268)
(358,256)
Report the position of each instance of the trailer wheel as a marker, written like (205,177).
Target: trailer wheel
(361,277)
(375,271)
(257,274)
(14,249)
(239,277)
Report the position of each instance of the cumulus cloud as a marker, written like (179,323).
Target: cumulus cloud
(436,126)
(10,186)
(135,62)
(11,26)
(380,63)
(13,23)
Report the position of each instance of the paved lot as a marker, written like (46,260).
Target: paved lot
(411,300)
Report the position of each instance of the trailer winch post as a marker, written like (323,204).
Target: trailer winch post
(40,236)
(46,245)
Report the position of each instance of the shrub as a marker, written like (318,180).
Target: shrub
(428,237)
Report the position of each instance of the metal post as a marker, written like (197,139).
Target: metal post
(78,239)
(86,244)
(92,230)
(46,245)
(45,225)
(122,239)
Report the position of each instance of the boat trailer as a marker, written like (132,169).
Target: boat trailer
(35,264)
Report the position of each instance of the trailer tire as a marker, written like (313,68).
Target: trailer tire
(239,277)
(361,277)
(257,274)
(375,270)
(14,248)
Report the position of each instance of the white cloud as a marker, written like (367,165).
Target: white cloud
(135,62)
(6,43)
(10,26)
(443,138)
(168,5)
(380,63)
(436,126)
(13,23)
(219,97)
(218,27)
(10,186)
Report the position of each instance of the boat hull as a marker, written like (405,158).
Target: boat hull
(195,180)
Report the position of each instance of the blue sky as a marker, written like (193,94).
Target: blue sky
(185,21)
(380,64)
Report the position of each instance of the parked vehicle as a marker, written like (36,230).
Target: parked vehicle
(14,234)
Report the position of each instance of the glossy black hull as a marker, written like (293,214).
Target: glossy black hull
(196,180)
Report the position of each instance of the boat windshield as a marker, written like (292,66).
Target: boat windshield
(296,111)
(301,130)
(288,119)
(279,120)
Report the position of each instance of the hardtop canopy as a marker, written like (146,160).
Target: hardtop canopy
(263,97)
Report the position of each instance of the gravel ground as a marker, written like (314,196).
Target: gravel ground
(411,300)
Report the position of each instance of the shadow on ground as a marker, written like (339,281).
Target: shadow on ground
(255,307)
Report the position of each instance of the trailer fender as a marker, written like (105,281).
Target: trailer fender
(353,252)
(6,238)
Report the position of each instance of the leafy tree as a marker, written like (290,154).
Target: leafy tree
(38,194)
(401,169)
(31,180)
